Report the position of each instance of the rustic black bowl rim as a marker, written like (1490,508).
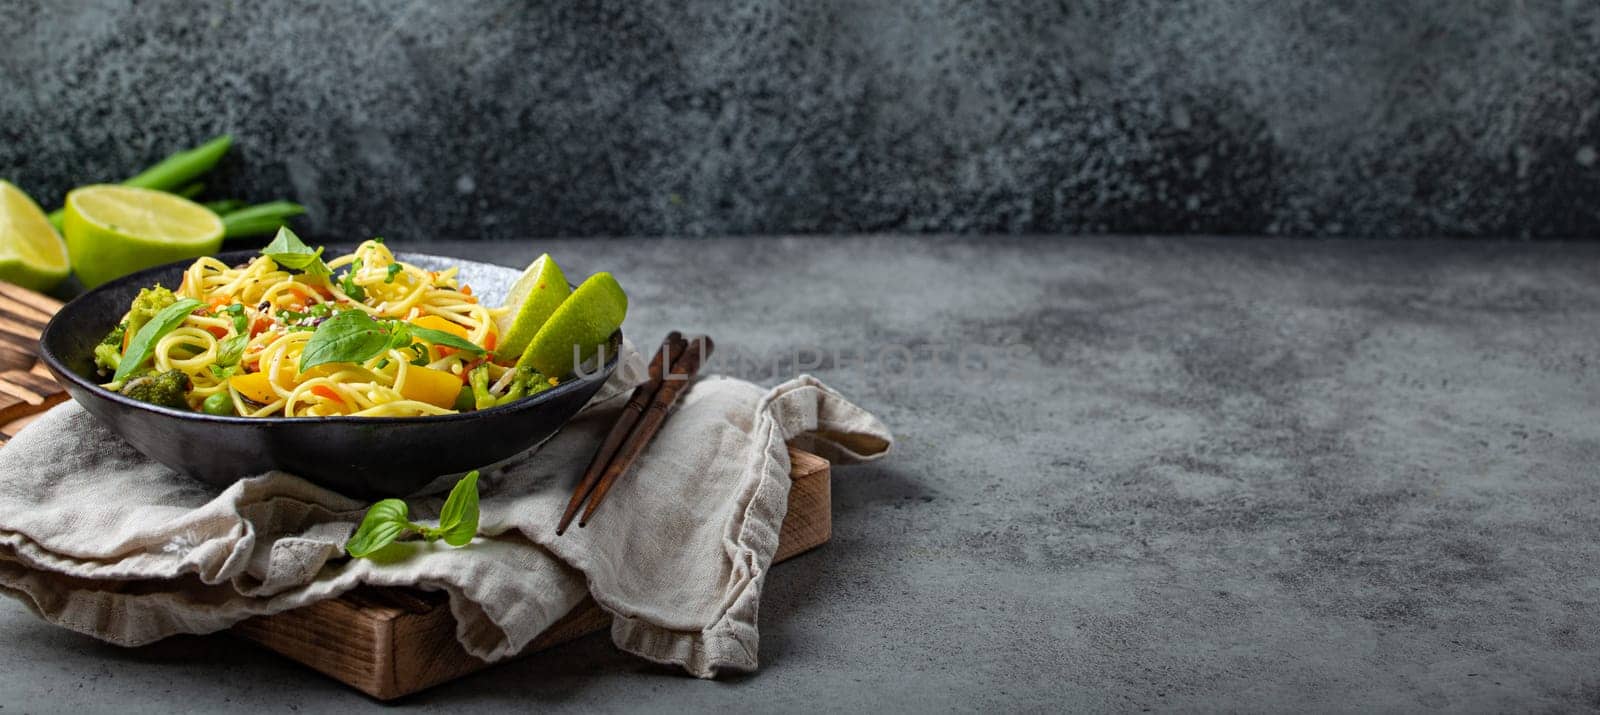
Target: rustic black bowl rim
(145,278)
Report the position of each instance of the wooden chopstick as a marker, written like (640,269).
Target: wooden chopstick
(670,349)
(683,370)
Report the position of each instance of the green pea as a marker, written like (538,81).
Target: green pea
(220,404)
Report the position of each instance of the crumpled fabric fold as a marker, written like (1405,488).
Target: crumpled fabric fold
(98,538)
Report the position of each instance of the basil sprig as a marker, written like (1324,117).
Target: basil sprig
(288,251)
(389,519)
(354,336)
(144,341)
(228,354)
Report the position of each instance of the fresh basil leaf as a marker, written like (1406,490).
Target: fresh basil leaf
(230,350)
(393,270)
(389,519)
(144,341)
(458,521)
(349,336)
(444,339)
(288,251)
(384,523)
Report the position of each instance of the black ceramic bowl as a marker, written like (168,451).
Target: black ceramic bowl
(358,456)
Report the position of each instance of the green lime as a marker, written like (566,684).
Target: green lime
(32,254)
(579,327)
(534,296)
(115,230)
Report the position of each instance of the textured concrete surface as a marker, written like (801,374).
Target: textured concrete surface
(508,118)
(1196,474)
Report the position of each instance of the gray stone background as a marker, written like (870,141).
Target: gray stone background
(424,120)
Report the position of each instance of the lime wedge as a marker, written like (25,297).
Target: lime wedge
(532,299)
(32,254)
(578,328)
(115,230)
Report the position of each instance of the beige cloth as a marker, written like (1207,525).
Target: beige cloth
(96,537)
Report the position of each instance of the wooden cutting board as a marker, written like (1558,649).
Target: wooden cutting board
(385,642)
(26,388)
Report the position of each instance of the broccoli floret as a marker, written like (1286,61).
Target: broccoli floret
(537,383)
(526,383)
(481,397)
(108,354)
(168,389)
(145,307)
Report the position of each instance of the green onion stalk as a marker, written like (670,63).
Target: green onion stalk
(260,219)
(173,173)
(178,174)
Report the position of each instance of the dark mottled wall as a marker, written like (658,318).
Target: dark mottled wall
(513,118)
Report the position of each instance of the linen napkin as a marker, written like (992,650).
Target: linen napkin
(98,538)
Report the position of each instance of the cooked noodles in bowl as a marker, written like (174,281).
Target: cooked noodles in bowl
(286,334)
(359,447)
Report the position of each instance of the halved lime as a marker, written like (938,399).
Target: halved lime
(579,327)
(115,230)
(32,254)
(532,299)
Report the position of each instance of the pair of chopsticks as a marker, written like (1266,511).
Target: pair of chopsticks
(670,371)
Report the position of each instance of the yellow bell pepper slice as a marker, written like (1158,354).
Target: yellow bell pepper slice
(435,387)
(254,386)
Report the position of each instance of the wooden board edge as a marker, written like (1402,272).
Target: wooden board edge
(350,646)
(809,521)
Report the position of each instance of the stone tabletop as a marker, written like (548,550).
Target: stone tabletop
(1131,473)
